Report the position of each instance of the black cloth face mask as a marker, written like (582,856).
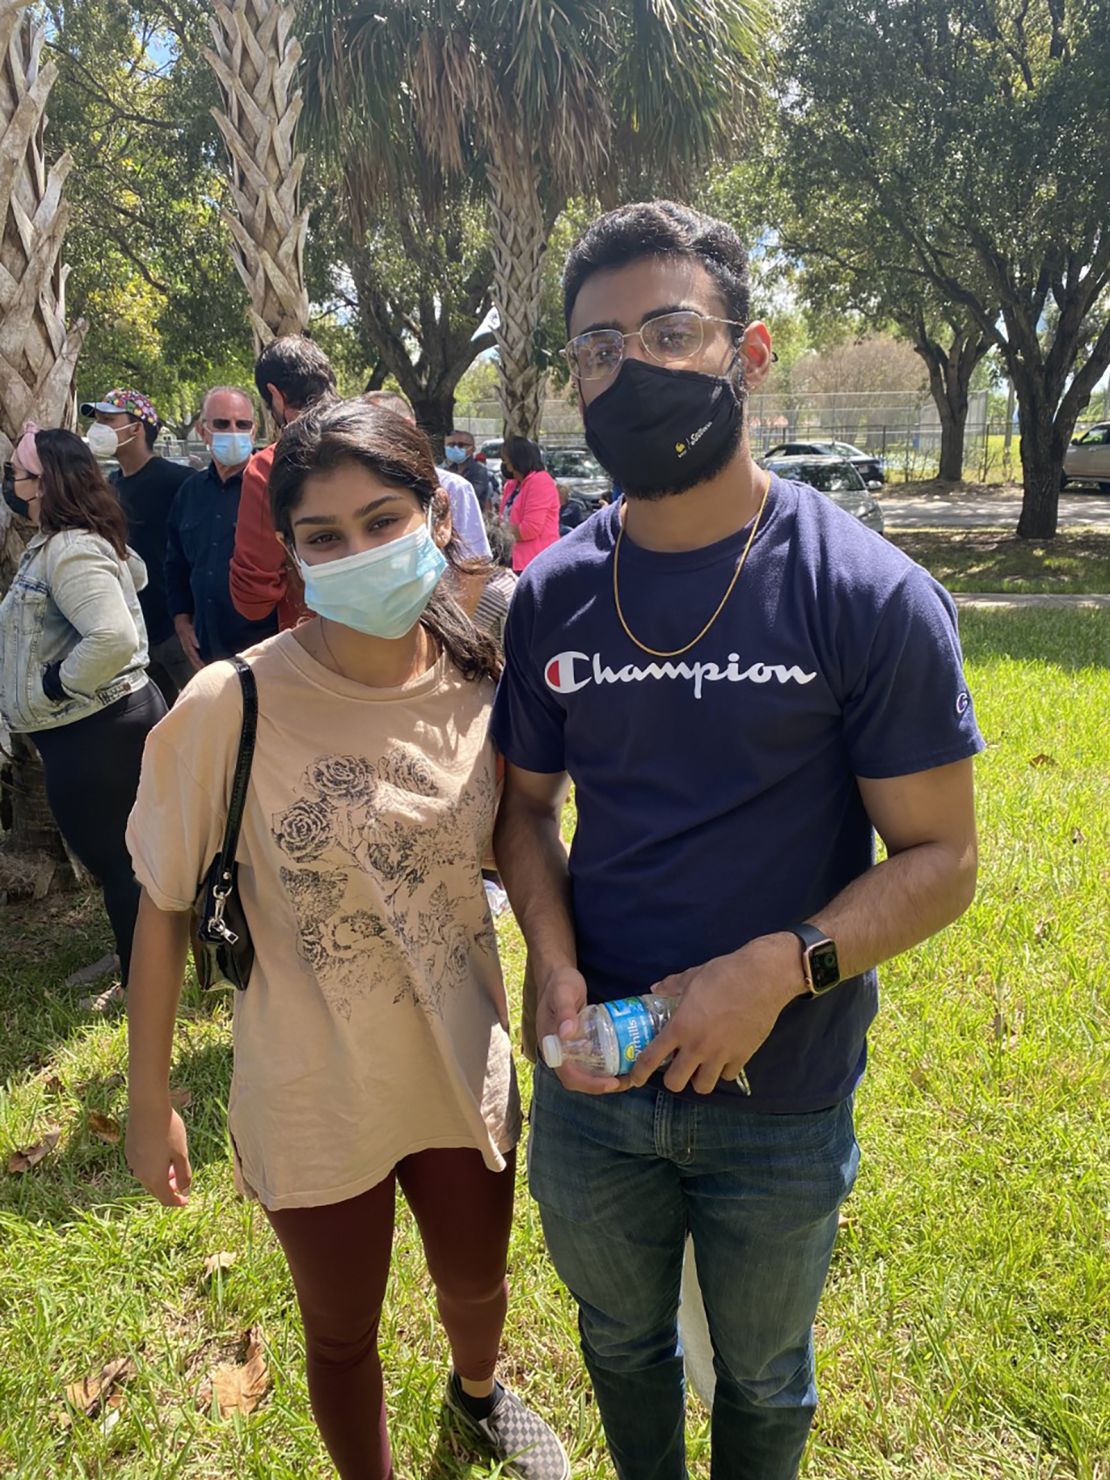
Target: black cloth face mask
(17,505)
(657,430)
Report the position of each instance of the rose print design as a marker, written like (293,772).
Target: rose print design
(306,829)
(368,839)
(340,778)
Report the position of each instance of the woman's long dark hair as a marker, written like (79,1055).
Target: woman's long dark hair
(75,494)
(331,434)
(524,456)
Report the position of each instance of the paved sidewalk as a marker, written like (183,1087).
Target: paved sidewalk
(1004,599)
(961,508)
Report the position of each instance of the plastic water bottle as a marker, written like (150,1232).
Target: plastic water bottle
(612,1035)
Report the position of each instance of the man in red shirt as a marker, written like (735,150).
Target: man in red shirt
(291,374)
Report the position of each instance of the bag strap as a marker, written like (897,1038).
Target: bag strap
(225,862)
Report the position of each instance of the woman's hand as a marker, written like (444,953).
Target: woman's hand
(157,1151)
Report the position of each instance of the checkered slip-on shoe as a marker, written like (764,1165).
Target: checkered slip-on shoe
(516,1437)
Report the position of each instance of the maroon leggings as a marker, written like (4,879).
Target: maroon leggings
(339,1259)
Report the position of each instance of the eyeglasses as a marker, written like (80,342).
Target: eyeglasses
(225,424)
(670,339)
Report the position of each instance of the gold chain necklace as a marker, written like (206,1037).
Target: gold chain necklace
(678,652)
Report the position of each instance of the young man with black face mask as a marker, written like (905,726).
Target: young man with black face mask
(745,686)
(126,428)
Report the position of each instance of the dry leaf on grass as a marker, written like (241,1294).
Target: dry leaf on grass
(1078,835)
(30,1156)
(843,1220)
(239,1389)
(181,1099)
(222,1260)
(104,1128)
(1042,930)
(1042,760)
(96,1391)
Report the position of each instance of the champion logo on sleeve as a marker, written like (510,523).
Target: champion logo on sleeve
(568,672)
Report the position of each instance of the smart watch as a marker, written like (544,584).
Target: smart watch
(820,965)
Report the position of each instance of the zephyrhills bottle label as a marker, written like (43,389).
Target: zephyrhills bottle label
(634,1029)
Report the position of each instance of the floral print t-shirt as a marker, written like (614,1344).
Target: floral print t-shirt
(374,1024)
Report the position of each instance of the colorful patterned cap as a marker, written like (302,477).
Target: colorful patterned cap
(133,402)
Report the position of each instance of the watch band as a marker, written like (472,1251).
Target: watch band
(809,935)
(812,940)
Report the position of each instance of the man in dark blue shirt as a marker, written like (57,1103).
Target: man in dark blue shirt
(459,450)
(200,537)
(745,685)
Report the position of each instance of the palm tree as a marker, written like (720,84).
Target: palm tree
(37,358)
(255,58)
(553,100)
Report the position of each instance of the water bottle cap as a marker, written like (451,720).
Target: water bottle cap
(552,1048)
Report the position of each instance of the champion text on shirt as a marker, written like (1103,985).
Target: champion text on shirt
(566,673)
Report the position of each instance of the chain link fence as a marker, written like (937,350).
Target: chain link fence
(900,428)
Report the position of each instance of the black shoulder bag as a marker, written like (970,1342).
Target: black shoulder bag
(225,953)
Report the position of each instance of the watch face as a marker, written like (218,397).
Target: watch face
(824,966)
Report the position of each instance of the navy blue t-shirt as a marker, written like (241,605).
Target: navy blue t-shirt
(716,792)
(200,541)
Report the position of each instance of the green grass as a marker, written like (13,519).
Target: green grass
(966,1326)
(967,560)
(983,462)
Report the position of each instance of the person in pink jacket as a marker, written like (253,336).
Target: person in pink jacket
(530,505)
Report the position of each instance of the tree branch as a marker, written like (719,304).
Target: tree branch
(101,96)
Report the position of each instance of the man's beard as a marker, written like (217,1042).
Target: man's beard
(704,475)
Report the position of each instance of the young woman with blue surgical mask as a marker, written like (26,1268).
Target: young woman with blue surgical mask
(371,1043)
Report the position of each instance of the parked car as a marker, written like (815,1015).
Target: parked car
(869,466)
(835,477)
(578,472)
(1087,460)
(490,453)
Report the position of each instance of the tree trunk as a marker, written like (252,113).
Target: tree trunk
(255,60)
(443,334)
(950,371)
(1052,390)
(1042,467)
(518,240)
(953,428)
(37,358)
(436,415)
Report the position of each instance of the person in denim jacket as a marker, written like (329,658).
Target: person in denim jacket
(73,658)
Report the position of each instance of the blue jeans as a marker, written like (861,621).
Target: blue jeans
(620,1180)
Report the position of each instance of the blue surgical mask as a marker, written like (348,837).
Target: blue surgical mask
(457,454)
(381,592)
(232,448)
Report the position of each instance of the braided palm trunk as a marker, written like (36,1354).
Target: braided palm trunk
(255,59)
(37,359)
(518,240)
